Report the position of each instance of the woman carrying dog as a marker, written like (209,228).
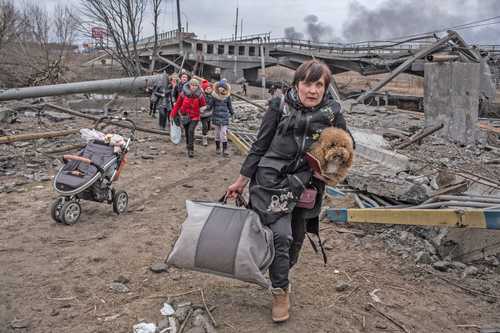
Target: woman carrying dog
(278,172)
(188,104)
(222,109)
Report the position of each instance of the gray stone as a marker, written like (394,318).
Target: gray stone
(158,267)
(119,287)
(121,279)
(441,265)
(423,257)
(403,236)
(196,329)
(458,265)
(163,324)
(470,270)
(181,312)
(20,323)
(147,157)
(429,247)
(492,260)
(342,286)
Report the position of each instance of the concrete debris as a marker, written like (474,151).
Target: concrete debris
(469,271)
(158,267)
(181,317)
(342,286)
(119,287)
(442,266)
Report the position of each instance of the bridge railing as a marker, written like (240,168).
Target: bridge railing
(248,38)
(368,47)
(172,34)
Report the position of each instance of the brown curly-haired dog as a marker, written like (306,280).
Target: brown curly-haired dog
(335,153)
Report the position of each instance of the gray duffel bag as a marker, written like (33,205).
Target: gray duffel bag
(224,240)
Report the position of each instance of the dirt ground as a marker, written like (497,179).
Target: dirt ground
(56,278)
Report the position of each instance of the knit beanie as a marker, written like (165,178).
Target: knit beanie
(205,84)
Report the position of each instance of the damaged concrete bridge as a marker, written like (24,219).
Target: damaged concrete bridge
(243,57)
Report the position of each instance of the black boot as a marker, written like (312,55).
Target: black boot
(224,149)
(217,147)
(191,153)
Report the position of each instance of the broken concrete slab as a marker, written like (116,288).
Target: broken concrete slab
(374,147)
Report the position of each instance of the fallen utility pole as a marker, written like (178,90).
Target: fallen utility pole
(128,84)
(405,65)
(425,132)
(83,115)
(34,136)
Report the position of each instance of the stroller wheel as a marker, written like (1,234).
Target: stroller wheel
(70,212)
(55,209)
(120,202)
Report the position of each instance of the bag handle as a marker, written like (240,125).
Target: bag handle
(240,201)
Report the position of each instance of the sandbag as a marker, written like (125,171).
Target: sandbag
(224,240)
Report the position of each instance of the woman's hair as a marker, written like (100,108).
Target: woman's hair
(311,71)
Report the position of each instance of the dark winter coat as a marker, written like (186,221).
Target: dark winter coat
(221,106)
(276,164)
(189,103)
(178,89)
(208,111)
(165,93)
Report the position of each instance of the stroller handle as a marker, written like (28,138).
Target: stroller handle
(110,119)
(83,160)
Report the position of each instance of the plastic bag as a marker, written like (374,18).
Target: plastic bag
(175,133)
(88,135)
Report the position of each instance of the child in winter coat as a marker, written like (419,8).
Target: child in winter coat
(188,104)
(206,112)
(222,109)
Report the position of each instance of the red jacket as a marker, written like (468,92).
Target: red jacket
(189,105)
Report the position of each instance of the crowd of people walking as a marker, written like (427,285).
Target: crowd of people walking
(186,101)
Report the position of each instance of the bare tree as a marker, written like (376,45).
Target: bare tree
(38,46)
(156,4)
(9,21)
(123,21)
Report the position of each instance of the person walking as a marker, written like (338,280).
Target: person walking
(165,104)
(278,173)
(188,105)
(206,111)
(222,109)
(184,78)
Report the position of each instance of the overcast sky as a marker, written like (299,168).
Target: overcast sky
(333,20)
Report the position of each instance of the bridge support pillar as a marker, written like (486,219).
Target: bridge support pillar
(230,74)
(451,96)
(251,74)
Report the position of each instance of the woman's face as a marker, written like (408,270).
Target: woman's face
(311,93)
(184,78)
(193,87)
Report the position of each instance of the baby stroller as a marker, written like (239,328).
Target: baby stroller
(90,174)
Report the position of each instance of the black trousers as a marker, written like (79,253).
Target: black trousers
(289,232)
(189,131)
(152,107)
(205,125)
(163,116)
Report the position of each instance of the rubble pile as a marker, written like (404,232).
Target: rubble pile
(180,317)
(25,162)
